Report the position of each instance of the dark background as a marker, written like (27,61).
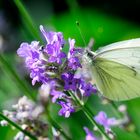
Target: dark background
(126,9)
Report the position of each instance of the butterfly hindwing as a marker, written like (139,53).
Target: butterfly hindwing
(116,81)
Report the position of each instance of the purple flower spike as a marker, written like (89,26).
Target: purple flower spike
(50,66)
(89,134)
(66,109)
(102,119)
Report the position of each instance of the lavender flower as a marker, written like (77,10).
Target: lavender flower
(74,63)
(71,83)
(89,134)
(52,37)
(3,123)
(67,109)
(103,120)
(73,52)
(54,53)
(50,66)
(73,60)
(57,95)
(87,88)
(21,136)
(33,60)
(24,110)
(54,46)
(28,115)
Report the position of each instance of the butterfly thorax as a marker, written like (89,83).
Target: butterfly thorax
(87,66)
(88,56)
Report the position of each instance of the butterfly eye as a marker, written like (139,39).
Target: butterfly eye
(90,54)
(41,48)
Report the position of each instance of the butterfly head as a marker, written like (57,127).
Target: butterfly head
(88,55)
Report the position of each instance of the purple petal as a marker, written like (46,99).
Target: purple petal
(66,109)
(89,134)
(24,50)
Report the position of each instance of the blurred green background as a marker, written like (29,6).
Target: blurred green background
(105,21)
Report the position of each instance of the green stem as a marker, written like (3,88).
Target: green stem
(90,116)
(115,107)
(27,20)
(53,122)
(18,127)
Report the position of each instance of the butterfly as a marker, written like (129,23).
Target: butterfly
(116,69)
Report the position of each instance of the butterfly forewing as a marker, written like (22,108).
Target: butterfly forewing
(127,56)
(120,45)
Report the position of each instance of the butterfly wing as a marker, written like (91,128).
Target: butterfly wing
(116,69)
(120,45)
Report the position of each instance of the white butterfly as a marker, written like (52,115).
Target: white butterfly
(116,69)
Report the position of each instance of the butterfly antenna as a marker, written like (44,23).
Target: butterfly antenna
(90,44)
(79,29)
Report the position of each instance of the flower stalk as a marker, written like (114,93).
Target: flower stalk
(53,122)
(89,115)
